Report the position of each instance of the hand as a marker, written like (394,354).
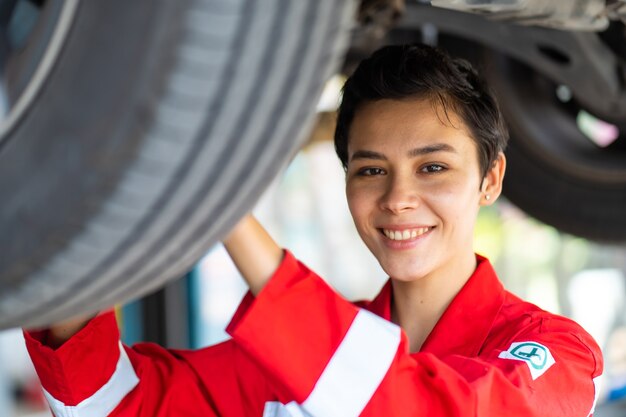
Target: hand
(60,333)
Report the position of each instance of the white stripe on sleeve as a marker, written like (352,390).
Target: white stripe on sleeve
(596,386)
(277,409)
(103,401)
(356,369)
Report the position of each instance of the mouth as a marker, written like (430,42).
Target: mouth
(405,234)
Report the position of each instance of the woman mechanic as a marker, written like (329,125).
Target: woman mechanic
(421,140)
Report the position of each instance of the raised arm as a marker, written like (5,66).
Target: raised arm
(254,252)
(86,371)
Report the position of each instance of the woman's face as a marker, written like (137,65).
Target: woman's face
(414,186)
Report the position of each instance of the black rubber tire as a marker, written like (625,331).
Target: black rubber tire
(159,125)
(554,172)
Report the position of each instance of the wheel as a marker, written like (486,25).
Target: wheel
(566,167)
(137,133)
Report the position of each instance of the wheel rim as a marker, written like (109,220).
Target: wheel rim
(33,36)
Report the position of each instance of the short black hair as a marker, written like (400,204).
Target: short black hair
(420,71)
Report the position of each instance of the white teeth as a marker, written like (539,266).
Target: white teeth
(405,234)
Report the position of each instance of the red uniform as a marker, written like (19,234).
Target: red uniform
(299,349)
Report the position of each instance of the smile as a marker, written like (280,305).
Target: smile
(406,234)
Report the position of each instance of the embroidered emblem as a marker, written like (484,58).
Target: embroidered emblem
(537,356)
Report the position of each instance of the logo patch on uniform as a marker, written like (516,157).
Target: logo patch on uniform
(537,356)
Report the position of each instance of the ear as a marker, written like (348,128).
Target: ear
(491,187)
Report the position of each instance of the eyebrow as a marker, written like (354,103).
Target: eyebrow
(425,150)
(437,147)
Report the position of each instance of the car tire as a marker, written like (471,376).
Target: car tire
(157,125)
(555,172)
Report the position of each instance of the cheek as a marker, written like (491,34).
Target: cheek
(445,195)
(454,201)
(460,188)
(353,202)
(358,203)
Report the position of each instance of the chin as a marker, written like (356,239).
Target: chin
(407,273)
(404,278)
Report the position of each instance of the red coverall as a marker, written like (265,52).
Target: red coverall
(299,349)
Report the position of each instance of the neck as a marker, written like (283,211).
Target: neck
(418,305)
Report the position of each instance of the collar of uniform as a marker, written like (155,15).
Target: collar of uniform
(464,326)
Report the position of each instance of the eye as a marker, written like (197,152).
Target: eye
(433,168)
(370,172)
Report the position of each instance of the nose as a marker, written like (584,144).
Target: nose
(400,195)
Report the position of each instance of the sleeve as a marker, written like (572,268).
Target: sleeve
(94,375)
(334,359)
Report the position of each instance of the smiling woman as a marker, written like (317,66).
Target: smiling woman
(442,338)
(414,189)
